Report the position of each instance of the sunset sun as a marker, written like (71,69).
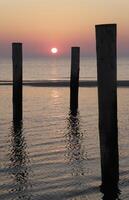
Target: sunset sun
(54,50)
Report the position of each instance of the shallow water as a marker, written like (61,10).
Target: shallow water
(52,155)
(59,68)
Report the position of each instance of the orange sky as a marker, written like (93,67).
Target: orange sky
(42,24)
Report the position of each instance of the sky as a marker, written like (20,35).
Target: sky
(43,24)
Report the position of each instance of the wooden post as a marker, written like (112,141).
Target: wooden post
(107,100)
(74,81)
(17,80)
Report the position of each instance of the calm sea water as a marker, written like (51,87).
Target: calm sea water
(59,69)
(53,155)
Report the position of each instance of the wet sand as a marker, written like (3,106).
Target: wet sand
(62,83)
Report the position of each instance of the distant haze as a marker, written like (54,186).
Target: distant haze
(43,24)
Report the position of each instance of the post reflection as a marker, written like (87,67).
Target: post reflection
(109,186)
(111,193)
(19,161)
(74,149)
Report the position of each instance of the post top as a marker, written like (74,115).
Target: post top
(105,25)
(16,43)
(75,47)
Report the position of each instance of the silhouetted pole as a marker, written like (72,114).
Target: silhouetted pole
(74,81)
(17,80)
(107,99)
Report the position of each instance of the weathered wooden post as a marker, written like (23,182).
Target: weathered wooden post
(74,81)
(17,80)
(107,100)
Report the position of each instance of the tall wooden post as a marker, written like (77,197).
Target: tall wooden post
(107,100)
(74,81)
(17,80)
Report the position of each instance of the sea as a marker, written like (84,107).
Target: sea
(52,155)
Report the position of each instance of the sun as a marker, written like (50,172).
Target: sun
(54,50)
